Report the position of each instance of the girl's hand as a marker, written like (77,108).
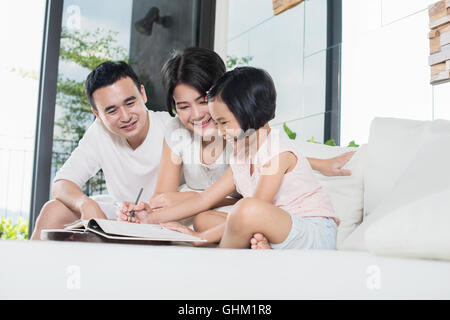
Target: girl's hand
(142,212)
(169,199)
(333,167)
(176,226)
(163,200)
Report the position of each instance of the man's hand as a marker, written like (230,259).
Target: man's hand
(333,166)
(90,209)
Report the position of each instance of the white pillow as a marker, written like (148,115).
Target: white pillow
(425,180)
(392,145)
(346,192)
(417,230)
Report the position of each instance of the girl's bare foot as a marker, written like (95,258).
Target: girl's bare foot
(259,241)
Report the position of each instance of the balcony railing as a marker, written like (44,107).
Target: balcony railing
(16,166)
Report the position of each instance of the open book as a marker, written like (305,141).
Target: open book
(118,230)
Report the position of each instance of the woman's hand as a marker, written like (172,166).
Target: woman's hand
(333,166)
(142,212)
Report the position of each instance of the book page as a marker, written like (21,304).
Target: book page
(79,224)
(141,231)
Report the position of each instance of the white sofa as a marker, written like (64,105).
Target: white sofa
(400,190)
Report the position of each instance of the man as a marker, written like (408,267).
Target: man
(125,141)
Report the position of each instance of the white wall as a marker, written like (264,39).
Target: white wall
(292,48)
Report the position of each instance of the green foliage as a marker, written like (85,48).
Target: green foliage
(89,49)
(25,74)
(18,231)
(331,142)
(312,140)
(353,144)
(291,135)
(233,61)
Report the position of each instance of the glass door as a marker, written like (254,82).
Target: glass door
(21,29)
(92,32)
(87,33)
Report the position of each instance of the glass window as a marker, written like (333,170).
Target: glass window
(385,70)
(21,30)
(96,31)
(92,32)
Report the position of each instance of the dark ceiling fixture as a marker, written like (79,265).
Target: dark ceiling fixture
(145,25)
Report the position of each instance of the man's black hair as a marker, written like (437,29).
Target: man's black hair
(249,94)
(107,74)
(196,67)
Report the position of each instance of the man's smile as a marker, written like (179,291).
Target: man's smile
(130,126)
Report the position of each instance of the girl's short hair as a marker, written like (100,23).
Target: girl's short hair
(249,94)
(197,67)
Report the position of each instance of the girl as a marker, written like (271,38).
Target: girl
(282,200)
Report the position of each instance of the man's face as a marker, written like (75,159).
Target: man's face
(121,109)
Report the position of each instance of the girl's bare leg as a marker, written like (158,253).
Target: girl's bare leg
(208,220)
(251,216)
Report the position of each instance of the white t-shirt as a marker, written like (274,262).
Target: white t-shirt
(187,146)
(126,170)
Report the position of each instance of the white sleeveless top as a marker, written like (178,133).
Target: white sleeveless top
(187,146)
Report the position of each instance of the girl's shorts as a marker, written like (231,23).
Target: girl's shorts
(310,233)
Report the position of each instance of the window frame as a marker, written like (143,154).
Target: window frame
(332,125)
(40,187)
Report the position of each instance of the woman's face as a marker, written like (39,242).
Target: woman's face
(192,110)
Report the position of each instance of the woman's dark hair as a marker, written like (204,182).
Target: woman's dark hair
(197,67)
(249,94)
(106,74)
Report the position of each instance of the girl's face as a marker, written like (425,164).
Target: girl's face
(227,124)
(192,110)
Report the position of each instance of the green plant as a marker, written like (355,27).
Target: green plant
(233,61)
(18,231)
(292,135)
(353,144)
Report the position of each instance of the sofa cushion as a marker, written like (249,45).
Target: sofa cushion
(416,230)
(346,192)
(414,218)
(392,146)
(420,228)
